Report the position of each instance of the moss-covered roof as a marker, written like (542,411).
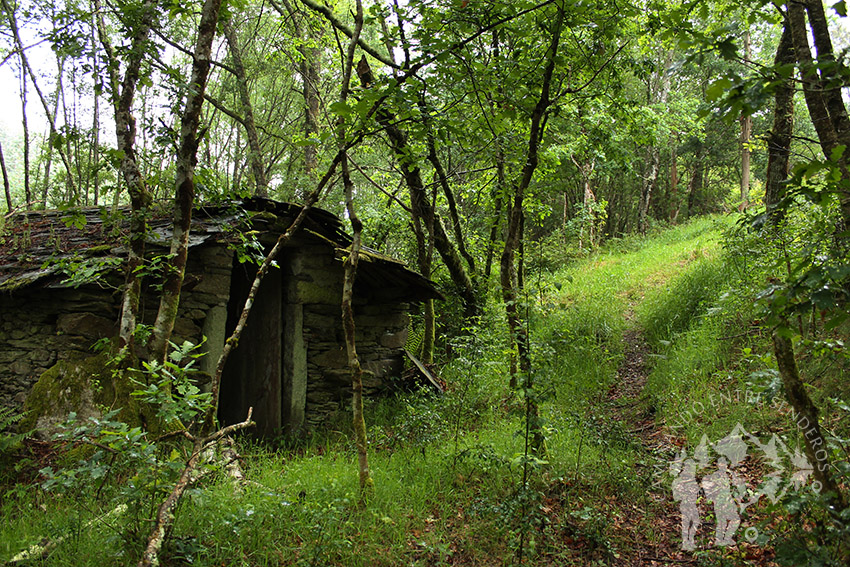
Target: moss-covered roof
(43,247)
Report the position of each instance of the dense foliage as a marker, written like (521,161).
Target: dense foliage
(526,155)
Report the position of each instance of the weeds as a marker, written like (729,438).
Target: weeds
(448,469)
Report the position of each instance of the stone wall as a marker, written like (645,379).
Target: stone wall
(381,332)
(315,282)
(41,326)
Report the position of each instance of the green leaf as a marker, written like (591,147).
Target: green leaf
(824,299)
(341,109)
(840,8)
(727,48)
(717,89)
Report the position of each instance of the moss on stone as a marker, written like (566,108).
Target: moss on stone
(22,280)
(87,386)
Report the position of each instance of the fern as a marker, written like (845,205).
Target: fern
(415,334)
(9,441)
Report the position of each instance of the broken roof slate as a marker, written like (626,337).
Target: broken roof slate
(35,246)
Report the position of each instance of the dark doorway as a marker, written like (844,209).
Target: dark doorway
(252,376)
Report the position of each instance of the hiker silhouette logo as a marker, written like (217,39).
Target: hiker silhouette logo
(731,475)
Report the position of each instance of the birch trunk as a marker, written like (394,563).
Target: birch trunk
(348,323)
(255,154)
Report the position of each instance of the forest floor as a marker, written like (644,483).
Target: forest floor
(449,470)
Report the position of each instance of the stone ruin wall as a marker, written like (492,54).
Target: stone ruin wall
(40,326)
(381,332)
(315,282)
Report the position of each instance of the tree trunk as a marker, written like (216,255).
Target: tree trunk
(501,186)
(424,257)
(123,94)
(647,186)
(310,73)
(746,131)
(508,276)
(696,182)
(650,178)
(822,92)
(51,116)
(25,125)
(497,212)
(348,324)
(309,68)
(97,86)
(184,181)
(806,414)
(420,203)
(6,186)
(831,71)
(255,154)
(585,169)
(447,190)
(674,177)
(779,138)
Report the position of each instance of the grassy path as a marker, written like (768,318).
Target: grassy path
(616,293)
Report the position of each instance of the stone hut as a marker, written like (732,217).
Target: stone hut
(60,292)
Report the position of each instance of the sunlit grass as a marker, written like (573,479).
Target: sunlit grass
(448,468)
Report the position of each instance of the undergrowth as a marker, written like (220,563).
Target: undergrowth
(448,467)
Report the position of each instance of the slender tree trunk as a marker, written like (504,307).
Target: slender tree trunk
(434,159)
(508,276)
(420,203)
(51,116)
(674,177)
(94,151)
(123,93)
(585,169)
(497,213)
(806,414)
(310,73)
(696,182)
(48,141)
(779,138)
(255,154)
(309,68)
(6,186)
(25,124)
(659,94)
(746,132)
(184,181)
(647,185)
(348,323)
(501,186)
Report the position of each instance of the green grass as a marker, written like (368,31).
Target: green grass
(447,469)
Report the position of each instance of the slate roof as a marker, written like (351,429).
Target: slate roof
(42,247)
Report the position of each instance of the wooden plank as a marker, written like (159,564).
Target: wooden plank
(425,372)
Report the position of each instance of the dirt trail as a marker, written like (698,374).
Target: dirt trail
(654,532)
